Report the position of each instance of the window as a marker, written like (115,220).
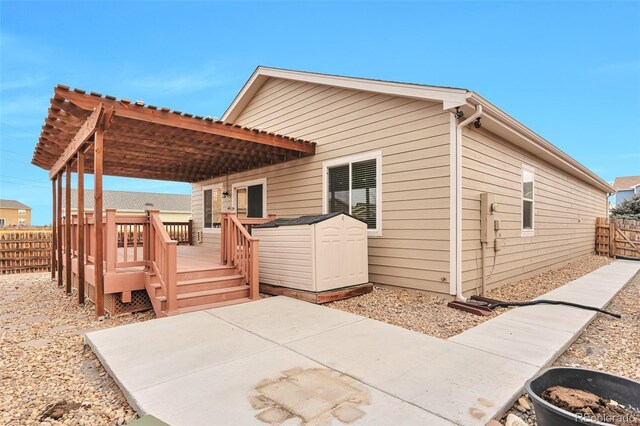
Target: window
(1,221)
(352,186)
(527,200)
(21,221)
(22,212)
(212,207)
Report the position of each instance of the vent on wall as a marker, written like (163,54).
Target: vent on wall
(198,236)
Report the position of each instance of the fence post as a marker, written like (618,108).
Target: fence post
(112,240)
(612,238)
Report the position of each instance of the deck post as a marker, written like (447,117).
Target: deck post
(112,240)
(171,279)
(53,229)
(254,274)
(59,232)
(81,253)
(190,231)
(67,230)
(98,145)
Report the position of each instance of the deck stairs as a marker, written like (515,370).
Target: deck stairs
(200,289)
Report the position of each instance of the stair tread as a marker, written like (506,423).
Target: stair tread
(210,279)
(213,305)
(212,292)
(205,269)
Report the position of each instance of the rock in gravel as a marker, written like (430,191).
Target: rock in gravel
(513,420)
(493,423)
(524,403)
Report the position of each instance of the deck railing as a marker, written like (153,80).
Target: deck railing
(238,248)
(128,230)
(182,232)
(163,260)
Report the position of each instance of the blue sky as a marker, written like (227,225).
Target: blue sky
(568,70)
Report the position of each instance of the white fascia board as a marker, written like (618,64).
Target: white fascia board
(512,130)
(450,97)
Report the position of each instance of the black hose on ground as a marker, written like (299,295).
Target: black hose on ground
(500,304)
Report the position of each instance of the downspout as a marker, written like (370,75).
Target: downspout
(458,201)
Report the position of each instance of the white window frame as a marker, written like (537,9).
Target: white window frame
(342,161)
(22,221)
(245,184)
(528,232)
(2,221)
(22,212)
(205,188)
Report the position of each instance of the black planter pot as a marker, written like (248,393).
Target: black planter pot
(606,386)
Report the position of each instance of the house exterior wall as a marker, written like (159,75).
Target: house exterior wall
(11,217)
(414,137)
(565,209)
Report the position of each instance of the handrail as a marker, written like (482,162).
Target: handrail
(163,260)
(240,249)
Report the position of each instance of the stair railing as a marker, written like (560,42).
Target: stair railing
(239,249)
(163,260)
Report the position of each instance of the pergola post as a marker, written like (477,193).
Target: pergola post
(81,259)
(59,224)
(53,230)
(98,145)
(67,229)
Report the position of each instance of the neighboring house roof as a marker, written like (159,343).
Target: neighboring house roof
(494,119)
(13,204)
(134,201)
(626,182)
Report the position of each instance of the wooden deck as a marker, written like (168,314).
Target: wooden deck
(189,258)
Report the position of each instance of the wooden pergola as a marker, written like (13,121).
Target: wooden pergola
(90,133)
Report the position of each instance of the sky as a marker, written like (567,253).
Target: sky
(568,70)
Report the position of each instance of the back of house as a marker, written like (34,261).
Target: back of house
(411,161)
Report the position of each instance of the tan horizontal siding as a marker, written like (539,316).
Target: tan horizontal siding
(414,139)
(564,212)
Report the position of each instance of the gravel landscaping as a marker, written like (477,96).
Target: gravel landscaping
(430,315)
(608,344)
(45,368)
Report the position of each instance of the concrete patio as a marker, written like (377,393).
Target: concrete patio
(281,361)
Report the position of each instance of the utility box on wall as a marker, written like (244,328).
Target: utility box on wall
(313,253)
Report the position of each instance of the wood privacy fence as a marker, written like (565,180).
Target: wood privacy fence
(618,238)
(25,250)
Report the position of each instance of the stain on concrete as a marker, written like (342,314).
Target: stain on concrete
(475,413)
(313,396)
(485,402)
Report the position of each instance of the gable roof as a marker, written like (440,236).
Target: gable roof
(626,182)
(134,201)
(13,204)
(493,118)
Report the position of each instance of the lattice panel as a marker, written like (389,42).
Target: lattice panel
(113,303)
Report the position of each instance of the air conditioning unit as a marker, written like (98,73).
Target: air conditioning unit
(198,236)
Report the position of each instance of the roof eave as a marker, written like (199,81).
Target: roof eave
(570,164)
(450,97)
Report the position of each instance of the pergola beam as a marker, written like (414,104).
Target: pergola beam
(166,118)
(84,133)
